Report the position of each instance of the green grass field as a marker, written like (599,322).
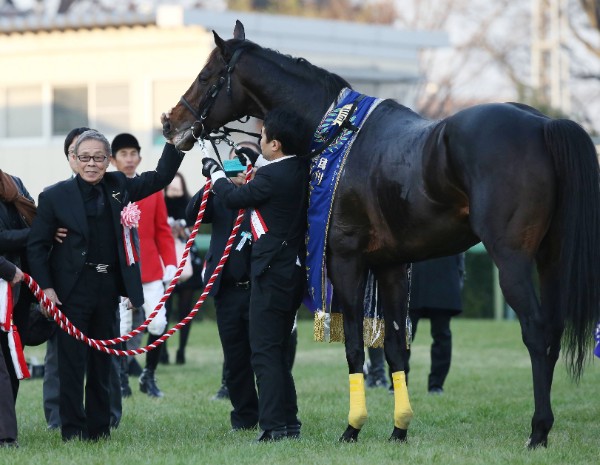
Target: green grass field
(483,417)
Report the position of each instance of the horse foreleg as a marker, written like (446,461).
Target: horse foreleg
(348,278)
(393,289)
(402,410)
(357,416)
(355,356)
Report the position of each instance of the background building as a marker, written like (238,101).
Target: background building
(117,73)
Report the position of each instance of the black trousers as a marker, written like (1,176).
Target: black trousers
(93,308)
(273,303)
(441,346)
(9,385)
(233,304)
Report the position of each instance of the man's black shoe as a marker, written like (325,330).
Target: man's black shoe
(126,391)
(293,431)
(436,391)
(9,443)
(375,382)
(180,357)
(148,384)
(222,393)
(272,435)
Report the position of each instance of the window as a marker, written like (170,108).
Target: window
(24,112)
(69,109)
(112,108)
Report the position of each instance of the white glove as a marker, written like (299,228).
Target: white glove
(169,274)
(126,314)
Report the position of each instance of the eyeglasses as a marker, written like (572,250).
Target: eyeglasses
(96,158)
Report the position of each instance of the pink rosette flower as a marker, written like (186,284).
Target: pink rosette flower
(130,216)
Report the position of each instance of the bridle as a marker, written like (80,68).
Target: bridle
(205,105)
(210,96)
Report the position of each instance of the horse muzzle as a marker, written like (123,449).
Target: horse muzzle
(184,140)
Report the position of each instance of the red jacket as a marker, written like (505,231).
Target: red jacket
(157,246)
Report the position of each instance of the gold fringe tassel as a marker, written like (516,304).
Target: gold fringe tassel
(329,327)
(373,332)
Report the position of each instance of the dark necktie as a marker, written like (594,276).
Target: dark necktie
(99,199)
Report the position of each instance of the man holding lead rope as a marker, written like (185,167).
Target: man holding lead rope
(278,197)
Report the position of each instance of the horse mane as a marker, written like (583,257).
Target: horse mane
(330,81)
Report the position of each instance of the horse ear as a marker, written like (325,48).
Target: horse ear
(219,42)
(238,31)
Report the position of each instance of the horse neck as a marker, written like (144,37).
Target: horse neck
(270,85)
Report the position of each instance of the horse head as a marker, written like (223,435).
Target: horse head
(216,96)
(241,78)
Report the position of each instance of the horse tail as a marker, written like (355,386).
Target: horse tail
(577,172)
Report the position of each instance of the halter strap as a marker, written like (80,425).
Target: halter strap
(211,94)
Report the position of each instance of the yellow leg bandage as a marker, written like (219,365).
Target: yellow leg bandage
(402,411)
(358,403)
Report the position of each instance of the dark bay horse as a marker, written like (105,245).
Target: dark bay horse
(525,185)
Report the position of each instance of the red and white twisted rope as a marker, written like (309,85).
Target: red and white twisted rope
(100,345)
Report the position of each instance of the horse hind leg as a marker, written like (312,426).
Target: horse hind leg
(393,291)
(554,324)
(348,282)
(516,281)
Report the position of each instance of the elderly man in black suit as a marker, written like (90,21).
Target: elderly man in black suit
(89,270)
(277,196)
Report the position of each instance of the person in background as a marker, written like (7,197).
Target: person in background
(90,269)
(375,368)
(17,210)
(231,293)
(177,198)
(223,392)
(157,257)
(435,293)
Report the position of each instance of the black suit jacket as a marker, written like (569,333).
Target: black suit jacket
(13,237)
(13,230)
(58,265)
(278,192)
(437,284)
(222,220)
(7,269)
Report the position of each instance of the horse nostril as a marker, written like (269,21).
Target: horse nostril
(166,128)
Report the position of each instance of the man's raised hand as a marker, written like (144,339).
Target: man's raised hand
(209,166)
(246,155)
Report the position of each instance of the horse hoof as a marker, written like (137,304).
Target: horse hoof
(398,435)
(535,443)
(350,435)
